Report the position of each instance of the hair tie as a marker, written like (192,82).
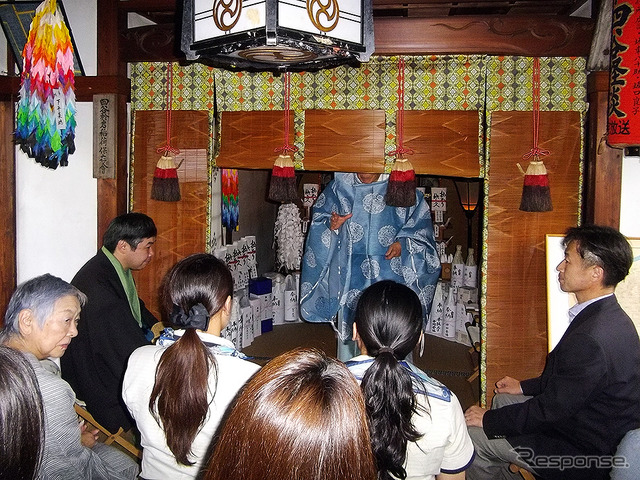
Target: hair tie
(386,350)
(198,317)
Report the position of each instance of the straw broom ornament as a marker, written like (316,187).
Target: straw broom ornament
(536,195)
(401,189)
(282,187)
(45,116)
(165,186)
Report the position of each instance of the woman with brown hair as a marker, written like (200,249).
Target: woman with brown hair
(178,390)
(302,417)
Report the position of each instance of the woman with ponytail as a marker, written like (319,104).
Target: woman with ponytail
(178,390)
(417,425)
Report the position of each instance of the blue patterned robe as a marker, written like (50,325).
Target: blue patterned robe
(338,266)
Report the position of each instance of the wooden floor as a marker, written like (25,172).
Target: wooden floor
(449,362)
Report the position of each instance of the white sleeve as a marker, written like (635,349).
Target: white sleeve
(459,451)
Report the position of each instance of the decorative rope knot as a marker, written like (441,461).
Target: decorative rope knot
(198,317)
(535,153)
(286,148)
(167,149)
(400,151)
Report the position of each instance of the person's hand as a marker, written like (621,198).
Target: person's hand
(508,385)
(394,250)
(473,416)
(88,438)
(337,220)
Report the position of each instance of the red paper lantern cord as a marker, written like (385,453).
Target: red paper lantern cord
(167,148)
(536,152)
(286,147)
(400,148)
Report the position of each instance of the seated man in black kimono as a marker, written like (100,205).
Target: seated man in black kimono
(114,322)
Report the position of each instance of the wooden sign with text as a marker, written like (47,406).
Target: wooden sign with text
(104,136)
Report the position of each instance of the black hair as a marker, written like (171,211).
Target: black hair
(131,227)
(21,417)
(389,322)
(605,247)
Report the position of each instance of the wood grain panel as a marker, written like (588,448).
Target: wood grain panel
(181,225)
(525,35)
(516,315)
(344,140)
(249,139)
(444,142)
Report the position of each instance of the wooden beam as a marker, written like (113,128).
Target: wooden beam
(148,6)
(603,185)
(86,87)
(504,35)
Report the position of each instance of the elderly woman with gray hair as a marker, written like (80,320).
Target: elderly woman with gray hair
(40,321)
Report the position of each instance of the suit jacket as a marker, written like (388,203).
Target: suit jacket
(96,359)
(588,395)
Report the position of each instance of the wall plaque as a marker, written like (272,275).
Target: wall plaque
(104,135)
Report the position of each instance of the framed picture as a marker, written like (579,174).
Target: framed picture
(559,302)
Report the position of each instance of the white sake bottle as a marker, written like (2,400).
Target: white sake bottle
(470,271)
(457,268)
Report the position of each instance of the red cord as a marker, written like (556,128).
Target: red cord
(286,147)
(167,148)
(400,149)
(536,151)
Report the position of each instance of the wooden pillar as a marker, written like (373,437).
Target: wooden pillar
(112,193)
(8,202)
(603,180)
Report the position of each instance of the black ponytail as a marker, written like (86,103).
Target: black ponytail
(389,321)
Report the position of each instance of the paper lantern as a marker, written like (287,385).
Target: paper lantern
(623,126)
(276,34)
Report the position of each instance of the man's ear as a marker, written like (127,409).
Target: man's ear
(26,321)
(598,275)
(122,245)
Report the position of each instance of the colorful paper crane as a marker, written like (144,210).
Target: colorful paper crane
(45,120)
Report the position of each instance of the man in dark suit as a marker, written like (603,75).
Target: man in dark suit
(114,322)
(566,423)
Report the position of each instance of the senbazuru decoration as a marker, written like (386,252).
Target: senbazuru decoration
(230,212)
(45,119)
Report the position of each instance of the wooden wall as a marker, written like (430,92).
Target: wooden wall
(516,299)
(181,225)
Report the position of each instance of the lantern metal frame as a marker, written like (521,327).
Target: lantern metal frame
(274,35)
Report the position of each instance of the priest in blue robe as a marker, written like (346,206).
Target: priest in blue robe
(356,239)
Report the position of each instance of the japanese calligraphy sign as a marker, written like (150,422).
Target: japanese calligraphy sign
(623,126)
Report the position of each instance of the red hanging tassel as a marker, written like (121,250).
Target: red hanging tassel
(283,187)
(536,195)
(165,186)
(401,190)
